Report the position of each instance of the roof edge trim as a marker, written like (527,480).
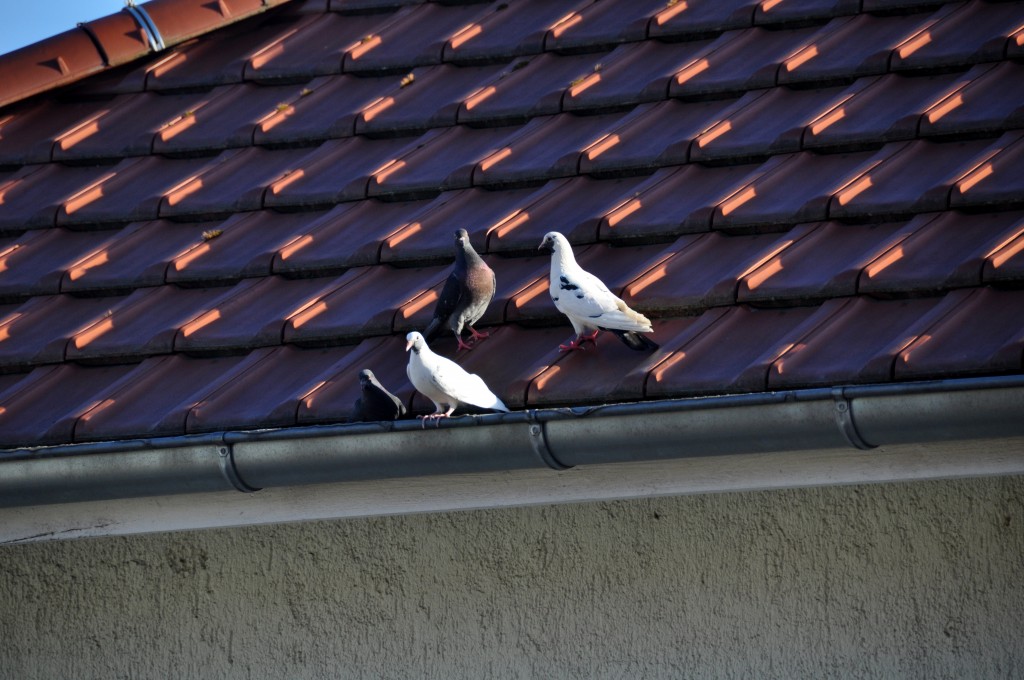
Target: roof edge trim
(796,420)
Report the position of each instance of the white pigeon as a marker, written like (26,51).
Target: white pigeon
(588,303)
(444,382)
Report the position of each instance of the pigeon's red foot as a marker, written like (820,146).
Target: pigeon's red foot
(579,342)
(478,335)
(463,344)
(436,417)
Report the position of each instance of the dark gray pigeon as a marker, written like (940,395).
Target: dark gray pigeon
(465,295)
(376,403)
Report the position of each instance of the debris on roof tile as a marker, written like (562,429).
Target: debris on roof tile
(221,231)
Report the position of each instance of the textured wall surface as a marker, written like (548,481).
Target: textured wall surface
(912,580)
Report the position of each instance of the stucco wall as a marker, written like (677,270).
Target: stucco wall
(913,580)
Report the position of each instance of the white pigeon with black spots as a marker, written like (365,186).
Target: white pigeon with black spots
(588,303)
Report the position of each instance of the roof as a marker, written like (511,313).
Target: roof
(219,235)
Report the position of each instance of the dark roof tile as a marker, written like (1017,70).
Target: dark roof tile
(789,189)
(574,206)
(28,130)
(698,271)
(132,190)
(974,330)
(322,109)
(977,31)
(739,61)
(819,261)
(337,170)
(381,292)
(994,178)
(763,122)
(266,388)
(851,47)
(732,354)
(883,109)
(428,235)
(244,245)
(530,86)
(675,201)
(252,314)
(506,30)
(135,256)
(350,235)
(235,181)
(631,74)
(945,251)
(35,263)
(905,178)
(652,135)
(224,117)
(546,148)
(205,63)
(786,11)
(614,372)
(422,169)
(1005,262)
(314,46)
(853,340)
(413,36)
(600,24)
(142,324)
(981,105)
(38,332)
(44,407)
(425,98)
(153,399)
(32,195)
(701,17)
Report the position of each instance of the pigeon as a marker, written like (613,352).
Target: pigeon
(444,382)
(466,294)
(588,303)
(376,403)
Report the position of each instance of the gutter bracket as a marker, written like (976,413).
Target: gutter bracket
(226,459)
(142,18)
(539,442)
(844,419)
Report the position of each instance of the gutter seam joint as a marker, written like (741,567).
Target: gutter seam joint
(843,413)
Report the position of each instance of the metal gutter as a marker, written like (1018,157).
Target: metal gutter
(853,417)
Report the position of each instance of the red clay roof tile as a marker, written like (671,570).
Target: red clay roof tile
(507,30)
(981,106)
(35,263)
(701,17)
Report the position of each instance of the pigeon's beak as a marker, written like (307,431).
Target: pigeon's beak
(408,345)
(543,245)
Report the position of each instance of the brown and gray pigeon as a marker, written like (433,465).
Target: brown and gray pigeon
(588,303)
(376,403)
(465,295)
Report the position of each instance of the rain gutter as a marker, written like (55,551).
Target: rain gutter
(852,417)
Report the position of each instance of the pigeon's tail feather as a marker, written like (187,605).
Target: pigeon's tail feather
(478,394)
(625,319)
(636,341)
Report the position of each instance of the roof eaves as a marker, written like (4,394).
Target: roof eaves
(115,40)
(862,417)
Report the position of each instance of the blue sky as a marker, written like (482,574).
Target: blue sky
(27,21)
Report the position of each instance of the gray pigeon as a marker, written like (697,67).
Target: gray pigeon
(376,403)
(588,303)
(465,295)
(444,382)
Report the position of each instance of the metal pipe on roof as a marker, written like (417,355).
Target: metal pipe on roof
(851,417)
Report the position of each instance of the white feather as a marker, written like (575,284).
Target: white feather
(444,382)
(584,298)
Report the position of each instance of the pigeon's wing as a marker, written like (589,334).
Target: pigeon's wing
(446,304)
(584,297)
(449,378)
